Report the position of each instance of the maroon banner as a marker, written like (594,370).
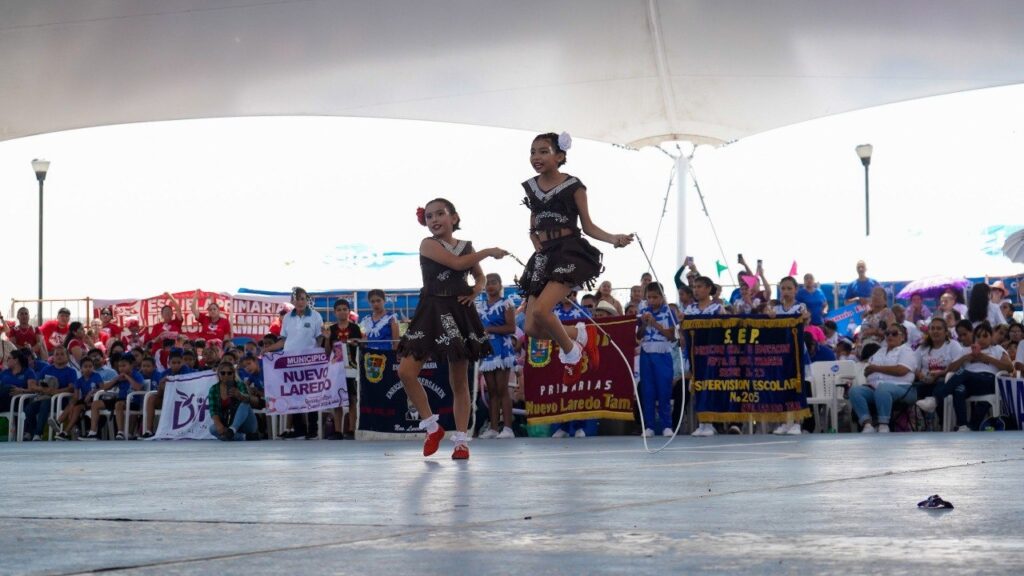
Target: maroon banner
(604,392)
(250,315)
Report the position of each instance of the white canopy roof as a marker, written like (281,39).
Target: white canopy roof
(630,72)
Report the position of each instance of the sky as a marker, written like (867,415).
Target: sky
(328,203)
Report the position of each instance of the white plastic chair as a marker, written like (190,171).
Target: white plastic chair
(949,417)
(128,408)
(55,410)
(826,378)
(17,421)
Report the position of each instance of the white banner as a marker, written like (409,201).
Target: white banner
(305,380)
(185,414)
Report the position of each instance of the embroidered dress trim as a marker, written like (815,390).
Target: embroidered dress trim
(455,249)
(545,196)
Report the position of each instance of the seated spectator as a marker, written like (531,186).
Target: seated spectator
(964,333)
(917,312)
(69,418)
(604,294)
(55,331)
(134,337)
(831,330)
(980,364)
(1015,333)
(876,319)
(981,309)
(99,363)
(844,350)
(1006,309)
(914,335)
(56,378)
(1000,335)
(110,329)
(24,334)
(188,358)
(952,300)
(231,415)
(817,352)
(811,296)
(862,289)
(127,380)
(604,309)
(937,353)
(997,293)
(176,367)
(587,303)
(890,375)
(17,379)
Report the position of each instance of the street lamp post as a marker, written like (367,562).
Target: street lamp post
(864,152)
(40,167)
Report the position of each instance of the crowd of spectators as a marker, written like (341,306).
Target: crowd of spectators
(912,355)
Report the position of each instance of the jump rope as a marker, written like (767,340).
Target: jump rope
(629,367)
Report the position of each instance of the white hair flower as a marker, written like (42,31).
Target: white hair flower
(564,141)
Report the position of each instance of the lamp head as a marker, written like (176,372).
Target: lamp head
(40,166)
(864,152)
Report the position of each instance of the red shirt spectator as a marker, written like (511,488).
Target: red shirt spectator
(168,327)
(110,329)
(212,325)
(214,329)
(56,331)
(24,334)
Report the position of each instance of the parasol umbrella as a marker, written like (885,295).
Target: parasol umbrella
(933,286)
(1013,248)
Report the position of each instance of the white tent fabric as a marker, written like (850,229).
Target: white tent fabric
(624,71)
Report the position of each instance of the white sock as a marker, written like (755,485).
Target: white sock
(571,357)
(460,438)
(430,424)
(581,333)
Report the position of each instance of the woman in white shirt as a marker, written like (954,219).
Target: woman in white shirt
(890,378)
(975,374)
(937,352)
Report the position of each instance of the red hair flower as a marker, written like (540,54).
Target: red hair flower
(421,216)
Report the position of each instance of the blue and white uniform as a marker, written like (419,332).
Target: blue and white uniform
(377,333)
(656,367)
(503,356)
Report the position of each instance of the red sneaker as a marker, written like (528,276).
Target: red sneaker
(461,452)
(591,350)
(433,441)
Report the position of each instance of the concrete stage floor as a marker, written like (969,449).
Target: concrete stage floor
(728,505)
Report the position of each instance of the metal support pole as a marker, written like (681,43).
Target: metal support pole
(867,211)
(39,309)
(682,177)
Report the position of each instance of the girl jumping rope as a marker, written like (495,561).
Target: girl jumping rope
(445,325)
(562,259)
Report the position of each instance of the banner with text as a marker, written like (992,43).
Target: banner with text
(747,367)
(847,319)
(250,315)
(605,391)
(304,381)
(385,412)
(184,414)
